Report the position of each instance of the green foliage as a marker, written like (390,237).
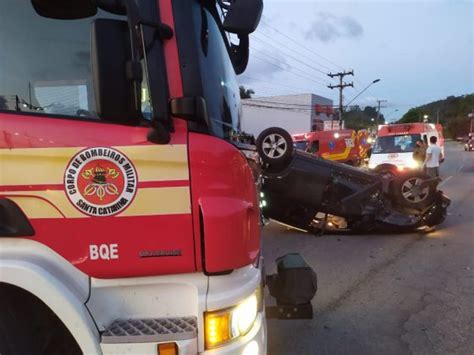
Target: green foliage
(453,113)
(356,118)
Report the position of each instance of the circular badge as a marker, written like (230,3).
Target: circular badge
(100,182)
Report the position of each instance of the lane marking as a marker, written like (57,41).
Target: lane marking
(460,168)
(445,181)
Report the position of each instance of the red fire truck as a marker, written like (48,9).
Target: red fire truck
(345,146)
(121,227)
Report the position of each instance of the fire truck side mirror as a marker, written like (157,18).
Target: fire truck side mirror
(293,287)
(243,16)
(189,108)
(77,9)
(116,75)
(65,10)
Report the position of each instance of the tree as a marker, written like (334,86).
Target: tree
(245,93)
(357,119)
(452,114)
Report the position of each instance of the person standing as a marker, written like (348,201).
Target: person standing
(419,153)
(434,156)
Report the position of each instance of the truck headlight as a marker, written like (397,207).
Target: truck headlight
(414,164)
(372,166)
(225,325)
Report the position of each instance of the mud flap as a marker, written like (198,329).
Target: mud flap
(293,287)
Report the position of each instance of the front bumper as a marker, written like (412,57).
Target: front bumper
(254,343)
(170,309)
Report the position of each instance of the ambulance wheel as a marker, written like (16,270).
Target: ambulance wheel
(275,146)
(414,190)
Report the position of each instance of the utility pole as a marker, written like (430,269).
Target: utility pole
(471,116)
(378,110)
(342,85)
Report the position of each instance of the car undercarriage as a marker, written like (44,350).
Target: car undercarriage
(305,192)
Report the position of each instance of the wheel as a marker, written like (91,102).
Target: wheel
(275,146)
(388,173)
(16,333)
(414,190)
(28,326)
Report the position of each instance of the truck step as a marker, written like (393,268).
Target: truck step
(150,330)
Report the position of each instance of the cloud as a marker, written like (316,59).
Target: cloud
(328,27)
(266,63)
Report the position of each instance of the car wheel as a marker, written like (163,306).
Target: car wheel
(275,146)
(388,173)
(414,190)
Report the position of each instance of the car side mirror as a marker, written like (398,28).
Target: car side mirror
(243,16)
(116,75)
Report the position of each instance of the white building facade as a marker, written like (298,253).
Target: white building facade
(295,113)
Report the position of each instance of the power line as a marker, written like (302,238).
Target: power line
(281,108)
(297,59)
(245,76)
(289,67)
(289,56)
(299,44)
(264,21)
(284,104)
(286,69)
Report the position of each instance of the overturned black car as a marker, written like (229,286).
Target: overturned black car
(313,194)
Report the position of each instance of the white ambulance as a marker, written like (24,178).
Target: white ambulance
(395,144)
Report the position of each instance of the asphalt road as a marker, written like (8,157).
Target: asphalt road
(388,294)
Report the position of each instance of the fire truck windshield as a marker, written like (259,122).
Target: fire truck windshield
(220,86)
(45,63)
(396,144)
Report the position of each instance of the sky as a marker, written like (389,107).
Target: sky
(422,51)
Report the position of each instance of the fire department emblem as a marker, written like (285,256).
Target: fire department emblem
(100,181)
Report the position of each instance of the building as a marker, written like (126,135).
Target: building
(295,113)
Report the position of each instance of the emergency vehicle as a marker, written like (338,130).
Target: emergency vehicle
(121,227)
(395,143)
(345,146)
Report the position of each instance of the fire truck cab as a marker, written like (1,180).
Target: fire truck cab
(121,227)
(344,146)
(395,144)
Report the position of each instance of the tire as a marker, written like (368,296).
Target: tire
(16,333)
(28,327)
(389,173)
(275,146)
(408,190)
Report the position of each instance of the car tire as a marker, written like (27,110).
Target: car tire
(410,191)
(275,146)
(386,172)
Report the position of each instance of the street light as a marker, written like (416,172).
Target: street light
(360,93)
(425,118)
